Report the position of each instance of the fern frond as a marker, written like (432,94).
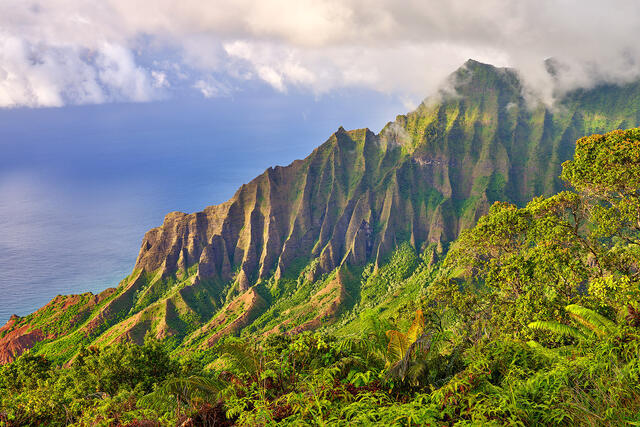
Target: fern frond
(194,387)
(358,345)
(558,329)
(181,390)
(375,331)
(597,323)
(367,349)
(243,356)
(345,364)
(439,341)
(158,400)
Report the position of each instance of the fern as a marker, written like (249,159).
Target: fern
(597,323)
(176,392)
(590,322)
(243,356)
(368,351)
(558,329)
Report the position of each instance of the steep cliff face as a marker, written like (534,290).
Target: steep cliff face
(426,176)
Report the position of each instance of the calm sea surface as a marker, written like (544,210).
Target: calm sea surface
(79,186)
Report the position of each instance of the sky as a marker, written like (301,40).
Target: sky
(116,112)
(61,52)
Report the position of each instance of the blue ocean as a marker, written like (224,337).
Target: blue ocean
(79,186)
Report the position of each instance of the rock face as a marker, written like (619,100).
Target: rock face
(17,339)
(422,179)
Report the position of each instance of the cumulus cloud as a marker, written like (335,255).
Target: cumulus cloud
(72,51)
(45,75)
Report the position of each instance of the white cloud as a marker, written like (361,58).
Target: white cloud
(159,79)
(73,51)
(123,79)
(209,87)
(38,75)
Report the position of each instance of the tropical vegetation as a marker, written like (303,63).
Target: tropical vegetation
(531,317)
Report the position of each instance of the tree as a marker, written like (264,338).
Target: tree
(519,265)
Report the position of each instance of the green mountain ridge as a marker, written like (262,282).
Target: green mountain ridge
(288,252)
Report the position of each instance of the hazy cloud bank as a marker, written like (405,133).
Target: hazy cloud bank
(59,52)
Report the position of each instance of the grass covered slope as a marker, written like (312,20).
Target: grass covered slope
(287,252)
(531,318)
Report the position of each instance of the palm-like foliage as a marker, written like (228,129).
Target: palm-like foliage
(400,344)
(407,363)
(368,349)
(174,393)
(243,356)
(410,356)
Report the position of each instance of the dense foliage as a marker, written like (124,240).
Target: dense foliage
(532,318)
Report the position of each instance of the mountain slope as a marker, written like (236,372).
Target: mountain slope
(284,252)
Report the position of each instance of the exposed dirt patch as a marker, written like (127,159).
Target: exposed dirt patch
(17,341)
(121,303)
(235,316)
(329,299)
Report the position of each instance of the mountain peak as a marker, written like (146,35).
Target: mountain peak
(340,132)
(472,63)
(473,78)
